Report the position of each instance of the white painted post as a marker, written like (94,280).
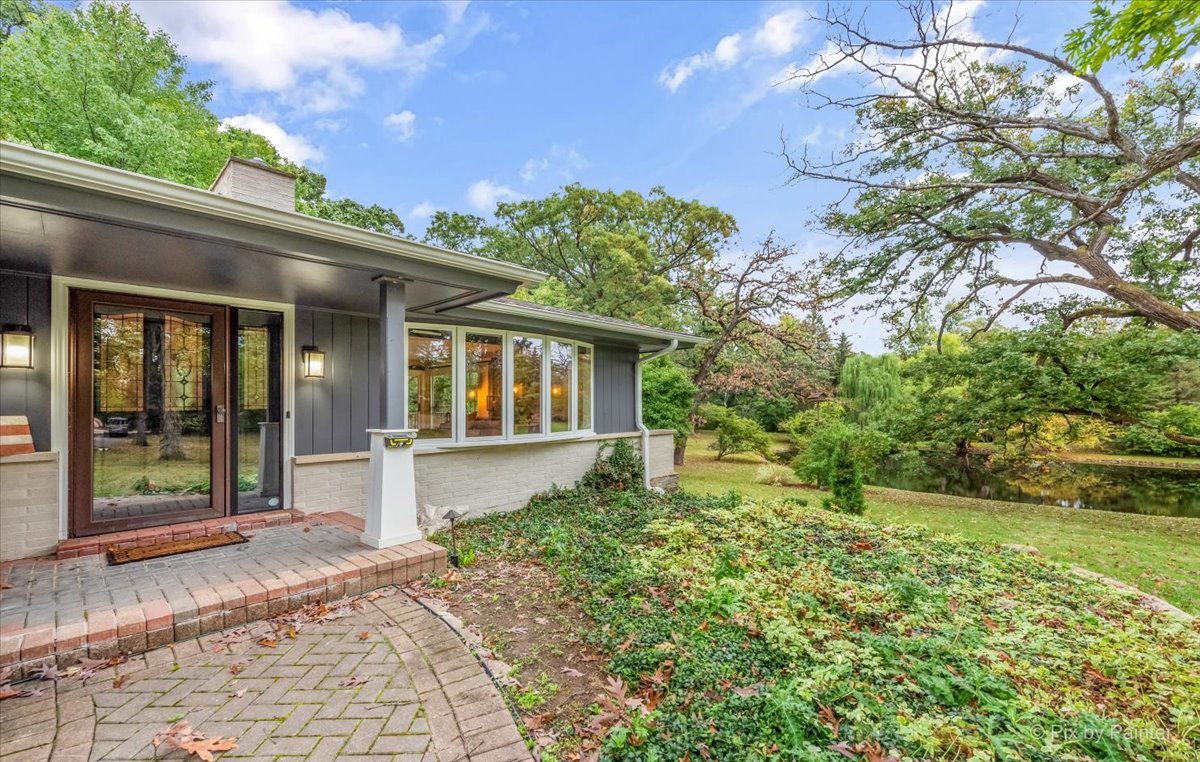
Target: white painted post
(391,491)
(392,485)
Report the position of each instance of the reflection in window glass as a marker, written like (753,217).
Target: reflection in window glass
(485,384)
(527,385)
(431,382)
(560,386)
(583,396)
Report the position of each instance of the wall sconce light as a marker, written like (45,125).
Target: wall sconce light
(16,346)
(313,361)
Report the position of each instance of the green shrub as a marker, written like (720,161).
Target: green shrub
(618,467)
(736,434)
(775,474)
(814,461)
(711,415)
(845,480)
(667,396)
(1150,437)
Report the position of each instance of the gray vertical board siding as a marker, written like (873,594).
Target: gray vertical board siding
(27,392)
(333,413)
(302,416)
(614,378)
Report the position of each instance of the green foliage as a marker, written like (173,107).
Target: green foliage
(871,384)
(1021,388)
(1166,31)
(711,415)
(817,434)
(763,629)
(95,83)
(616,254)
(845,480)
(667,396)
(618,467)
(736,434)
(1151,436)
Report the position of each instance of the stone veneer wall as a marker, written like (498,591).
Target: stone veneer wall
(28,505)
(480,479)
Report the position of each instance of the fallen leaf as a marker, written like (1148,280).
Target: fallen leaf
(237,667)
(238,693)
(572,672)
(119,680)
(351,682)
(364,635)
(267,643)
(204,747)
(518,630)
(307,528)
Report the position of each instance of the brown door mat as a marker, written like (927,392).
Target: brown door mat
(175,547)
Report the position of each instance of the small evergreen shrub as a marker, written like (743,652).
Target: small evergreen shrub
(775,475)
(845,480)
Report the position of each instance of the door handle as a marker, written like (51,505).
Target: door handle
(220,414)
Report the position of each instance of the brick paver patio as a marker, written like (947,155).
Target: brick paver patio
(388,682)
(60,611)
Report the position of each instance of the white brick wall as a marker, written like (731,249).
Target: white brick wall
(28,505)
(479,479)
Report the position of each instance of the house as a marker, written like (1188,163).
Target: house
(184,355)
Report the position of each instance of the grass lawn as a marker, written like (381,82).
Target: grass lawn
(733,628)
(1157,554)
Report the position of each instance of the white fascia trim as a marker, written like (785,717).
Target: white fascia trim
(585,321)
(53,168)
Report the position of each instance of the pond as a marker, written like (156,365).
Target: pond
(1129,489)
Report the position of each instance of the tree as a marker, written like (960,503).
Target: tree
(973,156)
(615,254)
(742,301)
(736,434)
(1166,30)
(870,384)
(1014,386)
(96,84)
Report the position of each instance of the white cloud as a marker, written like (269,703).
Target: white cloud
(330,125)
(422,210)
(777,36)
(402,125)
(307,56)
(561,162)
(455,9)
(483,195)
(294,147)
(780,34)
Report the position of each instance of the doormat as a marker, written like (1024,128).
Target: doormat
(175,547)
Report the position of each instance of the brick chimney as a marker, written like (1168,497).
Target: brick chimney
(254,181)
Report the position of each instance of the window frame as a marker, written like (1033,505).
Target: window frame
(458,429)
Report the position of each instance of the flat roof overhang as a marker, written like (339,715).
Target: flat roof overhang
(63,216)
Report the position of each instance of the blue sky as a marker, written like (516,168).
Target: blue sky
(423,106)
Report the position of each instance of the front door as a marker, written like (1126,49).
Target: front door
(149,412)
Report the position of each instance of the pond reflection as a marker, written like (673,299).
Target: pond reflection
(1129,489)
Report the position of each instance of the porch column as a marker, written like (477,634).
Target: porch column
(391,516)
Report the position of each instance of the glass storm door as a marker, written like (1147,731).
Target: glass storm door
(148,415)
(257,441)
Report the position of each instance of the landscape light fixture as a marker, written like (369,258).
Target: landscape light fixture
(313,361)
(451,515)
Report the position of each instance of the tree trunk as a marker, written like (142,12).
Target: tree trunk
(680,449)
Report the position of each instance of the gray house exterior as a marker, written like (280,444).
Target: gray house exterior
(209,355)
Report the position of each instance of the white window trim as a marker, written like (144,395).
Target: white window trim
(459,396)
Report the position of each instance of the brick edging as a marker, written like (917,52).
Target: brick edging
(139,628)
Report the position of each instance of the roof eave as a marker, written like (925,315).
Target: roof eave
(659,336)
(56,169)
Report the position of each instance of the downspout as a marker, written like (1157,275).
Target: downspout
(640,424)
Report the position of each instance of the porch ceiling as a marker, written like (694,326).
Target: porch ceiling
(66,217)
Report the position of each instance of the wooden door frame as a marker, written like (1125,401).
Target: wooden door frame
(80,413)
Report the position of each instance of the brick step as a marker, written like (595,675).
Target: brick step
(134,538)
(136,629)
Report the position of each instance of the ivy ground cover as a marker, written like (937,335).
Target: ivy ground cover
(744,629)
